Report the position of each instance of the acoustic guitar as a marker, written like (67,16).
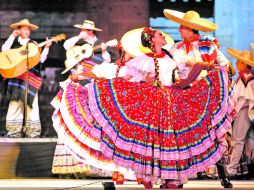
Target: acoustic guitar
(88,50)
(13,62)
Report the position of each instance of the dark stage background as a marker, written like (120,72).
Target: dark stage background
(53,17)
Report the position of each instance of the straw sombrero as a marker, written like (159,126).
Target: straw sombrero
(190,19)
(245,56)
(87,24)
(131,43)
(75,55)
(24,22)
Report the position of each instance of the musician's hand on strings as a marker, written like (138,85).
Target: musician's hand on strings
(15,32)
(48,43)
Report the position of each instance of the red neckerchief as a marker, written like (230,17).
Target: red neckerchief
(188,44)
(246,76)
(158,56)
(241,74)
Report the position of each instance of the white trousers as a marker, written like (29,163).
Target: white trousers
(15,116)
(239,136)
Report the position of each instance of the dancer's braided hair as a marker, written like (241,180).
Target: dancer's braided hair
(146,39)
(120,61)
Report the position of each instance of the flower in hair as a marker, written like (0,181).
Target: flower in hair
(148,33)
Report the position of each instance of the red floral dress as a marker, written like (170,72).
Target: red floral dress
(158,132)
(162,132)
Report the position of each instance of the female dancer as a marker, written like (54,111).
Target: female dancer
(63,162)
(156,130)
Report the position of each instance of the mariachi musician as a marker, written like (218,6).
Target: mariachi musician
(17,86)
(88,35)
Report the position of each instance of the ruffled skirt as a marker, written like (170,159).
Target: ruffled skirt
(156,132)
(77,150)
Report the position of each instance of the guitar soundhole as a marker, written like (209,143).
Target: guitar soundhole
(83,51)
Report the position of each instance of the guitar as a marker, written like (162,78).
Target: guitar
(13,62)
(88,50)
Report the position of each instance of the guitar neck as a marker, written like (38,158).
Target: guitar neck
(43,43)
(53,39)
(99,46)
(110,43)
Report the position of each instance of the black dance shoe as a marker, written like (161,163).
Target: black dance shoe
(226,183)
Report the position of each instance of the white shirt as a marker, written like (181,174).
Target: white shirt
(181,57)
(68,44)
(245,96)
(23,41)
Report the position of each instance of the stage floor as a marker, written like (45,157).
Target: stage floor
(93,184)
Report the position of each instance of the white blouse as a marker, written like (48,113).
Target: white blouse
(141,66)
(108,70)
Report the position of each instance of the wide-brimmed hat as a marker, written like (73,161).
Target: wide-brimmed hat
(75,55)
(131,42)
(87,24)
(245,56)
(190,19)
(24,22)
